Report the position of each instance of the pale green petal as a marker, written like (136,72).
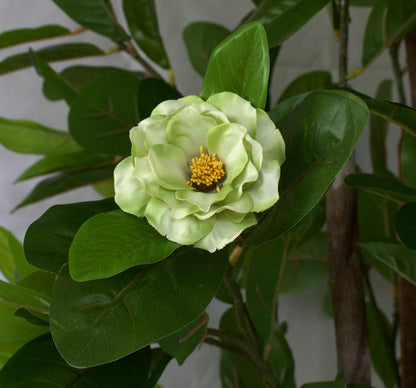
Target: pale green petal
(226,141)
(185,231)
(203,200)
(130,195)
(169,165)
(155,130)
(270,138)
(137,138)
(265,190)
(255,151)
(248,175)
(188,130)
(192,99)
(242,205)
(224,232)
(180,209)
(217,115)
(237,110)
(167,107)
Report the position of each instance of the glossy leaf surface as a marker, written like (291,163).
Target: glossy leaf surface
(320,134)
(406,225)
(240,64)
(156,300)
(48,239)
(109,243)
(103,113)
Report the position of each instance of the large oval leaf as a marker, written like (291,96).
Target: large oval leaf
(240,64)
(109,243)
(320,134)
(102,320)
(103,113)
(48,239)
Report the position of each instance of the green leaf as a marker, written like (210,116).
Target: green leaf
(240,64)
(54,80)
(181,344)
(23,35)
(142,21)
(109,243)
(47,240)
(400,259)
(64,182)
(13,264)
(158,363)
(38,364)
(152,91)
(40,281)
(80,76)
(104,111)
(320,134)
(96,15)
(408,160)
(306,83)
(378,131)
(387,186)
(373,43)
(281,19)
(201,38)
(59,52)
(35,319)
(381,343)
(70,162)
(92,324)
(406,225)
(28,137)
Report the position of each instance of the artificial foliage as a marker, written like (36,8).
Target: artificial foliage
(225,193)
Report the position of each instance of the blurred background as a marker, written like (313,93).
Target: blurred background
(311,333)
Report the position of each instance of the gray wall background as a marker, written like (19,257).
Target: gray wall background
(311,333)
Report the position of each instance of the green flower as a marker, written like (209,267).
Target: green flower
(200,170)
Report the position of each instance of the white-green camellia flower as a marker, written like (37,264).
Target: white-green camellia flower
(200,170)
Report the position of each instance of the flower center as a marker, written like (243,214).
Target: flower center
(207,171)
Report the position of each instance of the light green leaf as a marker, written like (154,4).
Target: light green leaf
(240,64)
(109,243)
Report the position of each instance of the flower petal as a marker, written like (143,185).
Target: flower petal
(144,174)
(167,107)
(138,138)
(188,131)
(180,209)
(237,110)
(168,163)
(255,150)
(224,232)
(242,205)
(185,231)
(130,194)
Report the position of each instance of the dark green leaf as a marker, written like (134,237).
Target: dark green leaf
(105,188)
(23,35)
(71,162)
(40,281)
(400,259)
(152,91)
(48,239)
(54,80)
(96,15)
(65,182)
(406,225)
(13,264)
(373,43)
(320,134)
(240,64)
(109,243)
(103,113)
(228,372)
(306,83)
(28,137)
(80,76)
(201,38)
(142,20)
(281,19)
(60,52)
(91,325)
(158,363)
(408,160)
(378,131)
(35,319)
(38,364)
(381,342)
(181,344)
(387,186)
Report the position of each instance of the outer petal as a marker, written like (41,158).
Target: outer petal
(188,131)
(143,173)
(255,151)
(138,138)
(197,103)
(167,107)
(169,165)
(185,231)
(224,231)
(180,209)
(237,110)
(130,194)
(155,130)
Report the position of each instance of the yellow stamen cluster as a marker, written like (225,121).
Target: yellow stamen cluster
(207,171)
